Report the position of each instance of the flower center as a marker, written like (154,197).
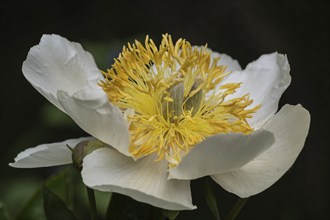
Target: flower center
(176,93)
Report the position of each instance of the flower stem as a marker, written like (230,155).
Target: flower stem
(92,203)
(236,209)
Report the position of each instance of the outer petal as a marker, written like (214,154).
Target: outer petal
(290,126)
(58,64)
(265,80)
(144,180)
(222,153)
(226,60)
(90,109)
(46,155)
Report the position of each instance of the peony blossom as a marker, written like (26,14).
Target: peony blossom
(169,114)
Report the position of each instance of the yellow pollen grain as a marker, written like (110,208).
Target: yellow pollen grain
(177,96)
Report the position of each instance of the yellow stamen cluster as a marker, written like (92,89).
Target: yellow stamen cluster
(176,93)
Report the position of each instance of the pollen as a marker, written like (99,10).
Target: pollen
(177,95)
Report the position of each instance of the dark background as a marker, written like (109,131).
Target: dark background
(244,30)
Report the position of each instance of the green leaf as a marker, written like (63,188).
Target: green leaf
(171,214)
(54,207)
(211,200)
(60,185)
(25,189)
(33,208)
(92,203)
(102,199)
(3,212)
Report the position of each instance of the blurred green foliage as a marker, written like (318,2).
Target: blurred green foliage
(63,192)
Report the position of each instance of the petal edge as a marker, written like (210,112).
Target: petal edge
(270,166)
(144,180)
(222,153)
(46,155)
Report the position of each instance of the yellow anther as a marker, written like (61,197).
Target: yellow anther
(176,93)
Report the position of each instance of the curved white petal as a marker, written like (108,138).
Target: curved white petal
(290,127)
(46,155)
(144,180)
(58,64)
(222,153)
(265,80)
(92,111)
(226,60)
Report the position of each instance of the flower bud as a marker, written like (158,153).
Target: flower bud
(84,148)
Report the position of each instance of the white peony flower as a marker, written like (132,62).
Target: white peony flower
(169,114)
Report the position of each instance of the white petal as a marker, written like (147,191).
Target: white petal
(231,64)
(144,180)
(222,153)
(46,155)
(92,111)
(290,126)
(265,80)
(58,64)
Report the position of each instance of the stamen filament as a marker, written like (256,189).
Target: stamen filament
(177,96)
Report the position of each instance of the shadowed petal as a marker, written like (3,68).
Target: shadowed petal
(144,180)
(92,111)
(58,64)
(265,80)
(222,153)
(290,127)
(46,155)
